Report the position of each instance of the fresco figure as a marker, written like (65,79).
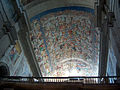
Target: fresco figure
(65,34)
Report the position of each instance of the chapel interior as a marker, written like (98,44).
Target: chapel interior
(64,44)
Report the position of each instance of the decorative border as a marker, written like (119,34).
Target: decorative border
(78,8)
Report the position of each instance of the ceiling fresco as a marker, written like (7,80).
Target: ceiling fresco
(66,42)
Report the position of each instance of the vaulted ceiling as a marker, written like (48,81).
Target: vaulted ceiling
(64,37)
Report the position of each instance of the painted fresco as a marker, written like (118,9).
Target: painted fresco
(13,55)
(16,61)
(112,62)
(65,41)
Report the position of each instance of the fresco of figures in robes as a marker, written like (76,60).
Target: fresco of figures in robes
(66,43)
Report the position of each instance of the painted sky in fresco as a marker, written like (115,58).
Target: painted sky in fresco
(66,42)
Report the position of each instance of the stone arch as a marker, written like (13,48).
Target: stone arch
(4,69)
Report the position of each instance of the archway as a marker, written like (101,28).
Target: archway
(4,69)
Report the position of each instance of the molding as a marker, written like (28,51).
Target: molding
(39,6)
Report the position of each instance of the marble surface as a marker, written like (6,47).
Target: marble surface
(66,42)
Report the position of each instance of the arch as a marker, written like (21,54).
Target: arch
(4,69)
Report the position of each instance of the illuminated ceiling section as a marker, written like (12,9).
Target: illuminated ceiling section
(66,42)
